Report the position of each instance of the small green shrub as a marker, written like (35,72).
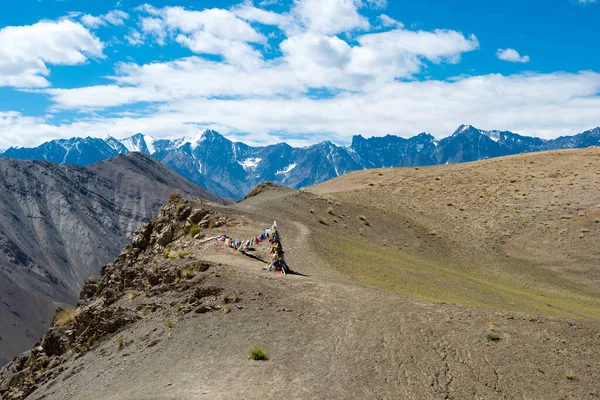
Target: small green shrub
(258,354)
(132,295)
(493,336)
(169,324)
(179,209)
(166,253)
(91,340)
(120,342)
(194,230)
(99,288)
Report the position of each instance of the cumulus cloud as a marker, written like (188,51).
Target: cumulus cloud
(26,51)
(568,102)
(371,78)
(211,31)
(330,17)
(387,21)
(511,55)
(250,13)
(114,17)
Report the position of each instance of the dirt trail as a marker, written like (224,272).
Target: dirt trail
(328,339)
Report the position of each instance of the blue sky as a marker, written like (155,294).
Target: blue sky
(300,71)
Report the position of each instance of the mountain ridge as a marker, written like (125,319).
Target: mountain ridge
(60,223)
(232,169)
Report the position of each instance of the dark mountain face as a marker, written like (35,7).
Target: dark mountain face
(60,223)
(232,169)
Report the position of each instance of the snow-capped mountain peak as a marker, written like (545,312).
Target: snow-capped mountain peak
(231,169)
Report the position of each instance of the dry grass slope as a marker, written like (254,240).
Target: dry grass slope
(517,233)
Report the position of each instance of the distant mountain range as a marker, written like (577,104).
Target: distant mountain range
(232,169)
(60,223)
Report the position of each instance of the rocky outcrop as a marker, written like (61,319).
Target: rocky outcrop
(145,269)
(60,223)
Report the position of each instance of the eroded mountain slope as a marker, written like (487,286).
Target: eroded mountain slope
(59,224)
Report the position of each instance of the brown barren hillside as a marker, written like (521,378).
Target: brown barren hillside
(517,233)
(442,282)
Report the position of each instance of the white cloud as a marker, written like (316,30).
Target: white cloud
(134,38)
(377,4)
(330,17)
(387,21)
(114,17)
(211,31)
(568,103)
(250,13)
(25,51)
(267,87)
(511,55)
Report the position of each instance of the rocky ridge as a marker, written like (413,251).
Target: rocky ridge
(148,269)
(60,223)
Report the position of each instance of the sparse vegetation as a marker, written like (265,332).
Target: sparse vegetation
(225,309)
(492,336)
(179,209)
(91,340)
(366,223)
(166,253)
(169,324)
(570,375)
(258,354)
(194,230)
(99,288)
(65,317)
(232,298)
(322,220)
(183,254)
(186,273)
(120,342)
(133,295)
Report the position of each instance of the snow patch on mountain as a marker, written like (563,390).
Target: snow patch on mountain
(250,163)
(150,144)
(133,143)
(494,135)
(199,139)
(287,169)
